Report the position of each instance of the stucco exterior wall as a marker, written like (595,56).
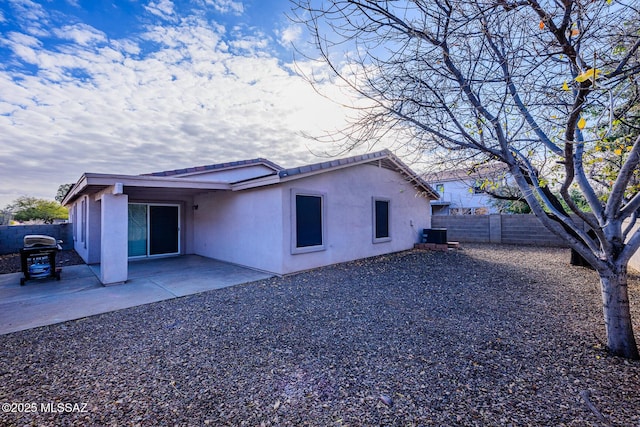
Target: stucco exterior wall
(86,232)
(255,228)
(349,197)
(241,227)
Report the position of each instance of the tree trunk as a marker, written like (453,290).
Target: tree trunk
(620,339)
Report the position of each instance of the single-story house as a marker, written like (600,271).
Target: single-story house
(252,213)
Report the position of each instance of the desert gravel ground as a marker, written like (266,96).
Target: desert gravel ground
(487,336)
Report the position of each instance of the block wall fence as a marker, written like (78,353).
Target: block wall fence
(509,229)
(11,236)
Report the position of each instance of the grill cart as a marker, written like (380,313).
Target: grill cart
(38,257)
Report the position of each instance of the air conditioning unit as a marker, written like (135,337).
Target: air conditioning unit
(435,235)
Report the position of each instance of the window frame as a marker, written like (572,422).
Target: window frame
(295,249)
(374,219)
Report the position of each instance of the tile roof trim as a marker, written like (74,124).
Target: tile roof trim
(217,167)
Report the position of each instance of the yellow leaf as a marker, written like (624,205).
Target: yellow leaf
(565,86)
(591,73)
(541,25)
(582,123)
(608,1)
(617,152)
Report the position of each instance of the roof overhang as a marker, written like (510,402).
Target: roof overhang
(94,184)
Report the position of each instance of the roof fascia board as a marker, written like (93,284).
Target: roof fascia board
(75,190)
(256,182)
(154,181)
(208,171)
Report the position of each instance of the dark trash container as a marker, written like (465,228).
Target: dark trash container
(577,259)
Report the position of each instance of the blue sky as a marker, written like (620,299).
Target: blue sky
(135,86)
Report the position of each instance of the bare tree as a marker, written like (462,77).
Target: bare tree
(528,83)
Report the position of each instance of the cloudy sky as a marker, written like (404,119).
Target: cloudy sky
(135,86)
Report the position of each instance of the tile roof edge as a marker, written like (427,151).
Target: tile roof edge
(218,166)
(334,163)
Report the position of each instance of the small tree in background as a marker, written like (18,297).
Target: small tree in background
(63,190)
(32,209)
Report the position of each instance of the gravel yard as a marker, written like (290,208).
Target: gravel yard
(490,335)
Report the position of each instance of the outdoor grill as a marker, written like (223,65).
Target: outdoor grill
(38,257)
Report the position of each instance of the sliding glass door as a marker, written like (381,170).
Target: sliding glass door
(153,229)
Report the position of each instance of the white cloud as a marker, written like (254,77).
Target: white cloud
(81,34)
(33,13)
(191,101)
(226,6)
(289,35)
(161,8)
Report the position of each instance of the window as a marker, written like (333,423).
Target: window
(308,222)
(74,221)
(440,188)
(83,223)
(381,229)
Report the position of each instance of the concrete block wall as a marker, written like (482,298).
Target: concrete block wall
(463,228)
(510,229)
(527,230)
(11,236)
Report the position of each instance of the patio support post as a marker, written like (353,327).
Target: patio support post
(114,237)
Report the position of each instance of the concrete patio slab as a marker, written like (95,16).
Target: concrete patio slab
(79,293)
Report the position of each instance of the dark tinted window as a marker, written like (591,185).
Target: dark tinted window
(382,219)
(308,221)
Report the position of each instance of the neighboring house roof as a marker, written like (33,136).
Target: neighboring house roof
(491,170)
(186,180)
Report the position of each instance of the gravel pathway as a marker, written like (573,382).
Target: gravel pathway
(490,335)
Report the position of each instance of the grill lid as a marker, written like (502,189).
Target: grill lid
(39,240)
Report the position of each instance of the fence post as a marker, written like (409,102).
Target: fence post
(495,228)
